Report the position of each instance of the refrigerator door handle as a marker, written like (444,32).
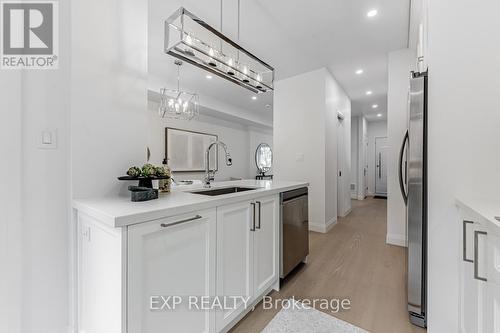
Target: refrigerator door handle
(400,172)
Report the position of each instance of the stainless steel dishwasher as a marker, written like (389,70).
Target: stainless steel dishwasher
(294,229)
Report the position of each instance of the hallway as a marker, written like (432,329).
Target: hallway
(351,261)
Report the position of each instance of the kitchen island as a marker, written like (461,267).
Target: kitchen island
(186,262)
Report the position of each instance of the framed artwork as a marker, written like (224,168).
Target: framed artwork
(185,150)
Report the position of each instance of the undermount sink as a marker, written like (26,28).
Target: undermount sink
(225,190)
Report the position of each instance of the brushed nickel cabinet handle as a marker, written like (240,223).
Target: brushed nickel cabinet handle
(166,225)
(476,255)
(253,206)
(464,236)
(260,214)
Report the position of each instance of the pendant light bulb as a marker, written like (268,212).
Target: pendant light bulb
(211,60)
(189,40)
(230,64)
(245,72)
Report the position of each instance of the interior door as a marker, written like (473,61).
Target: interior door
(381,149)
(340,163)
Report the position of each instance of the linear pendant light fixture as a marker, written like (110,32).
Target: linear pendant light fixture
(190,39)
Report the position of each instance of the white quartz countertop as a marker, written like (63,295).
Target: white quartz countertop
(486,207)
(119,211)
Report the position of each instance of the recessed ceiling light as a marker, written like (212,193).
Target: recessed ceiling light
(379,114)
(254,97)
(209,76)
(375,106)
(369,92)
(359,71)
(372,13)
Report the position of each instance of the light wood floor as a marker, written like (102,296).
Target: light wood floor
(351,261)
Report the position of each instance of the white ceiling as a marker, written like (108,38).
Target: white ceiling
(294,37)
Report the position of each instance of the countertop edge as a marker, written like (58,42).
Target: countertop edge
(155,214)
(472,205)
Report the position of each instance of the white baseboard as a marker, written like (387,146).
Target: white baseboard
(347,213)
(322,228)
(398,240)
(361,197)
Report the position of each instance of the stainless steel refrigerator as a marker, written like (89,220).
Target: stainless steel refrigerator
(413,183)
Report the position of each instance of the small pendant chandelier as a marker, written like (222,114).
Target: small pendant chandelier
(178,104)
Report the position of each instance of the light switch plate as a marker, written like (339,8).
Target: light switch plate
(48,139)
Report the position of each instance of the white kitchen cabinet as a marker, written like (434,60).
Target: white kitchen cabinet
(247,253)
(171,257)
(234,257)
(266,244)
(491,298)
(479,275)
(130,255)
(100,283)
(470,288)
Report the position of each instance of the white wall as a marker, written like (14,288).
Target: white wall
(240,139)
(401,63)
(376,129)
(301,132)
(11,223)
(34,224)
(109,93)
(299,137)
(464,140)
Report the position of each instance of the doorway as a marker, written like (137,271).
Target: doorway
(381,148)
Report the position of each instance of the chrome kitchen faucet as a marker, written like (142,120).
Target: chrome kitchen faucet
(209,175)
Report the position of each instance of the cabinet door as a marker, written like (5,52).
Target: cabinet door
(491,297)
(470,288)
(234,257)
(171,257)
(493,255)
(99,277)
(266,244)
(492,306)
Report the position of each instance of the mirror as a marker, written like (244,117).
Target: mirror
(264,158)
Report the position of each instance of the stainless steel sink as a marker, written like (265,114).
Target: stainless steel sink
(224,190)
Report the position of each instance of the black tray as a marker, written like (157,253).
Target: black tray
(143,181)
